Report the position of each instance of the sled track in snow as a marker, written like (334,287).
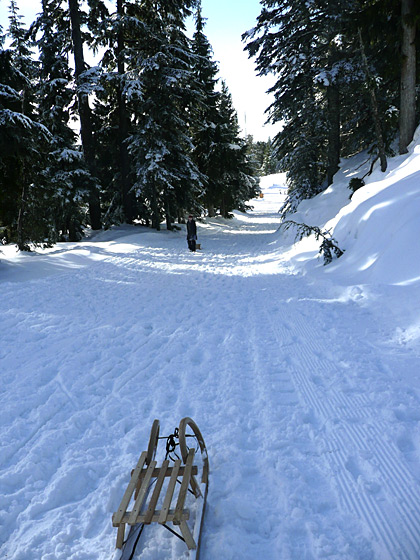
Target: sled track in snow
(369,477)
(298,476)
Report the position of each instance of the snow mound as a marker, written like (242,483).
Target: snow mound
(378,226)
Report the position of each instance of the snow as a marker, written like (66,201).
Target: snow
(303,379)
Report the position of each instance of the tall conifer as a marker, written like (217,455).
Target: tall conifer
(24,142)
(167,179)
(65,171)
(237,182)
(85,114)
(204,129)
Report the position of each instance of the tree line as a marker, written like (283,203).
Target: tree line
(146,135)
(346,82)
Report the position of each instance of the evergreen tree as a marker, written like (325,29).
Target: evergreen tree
(388,31)
(204,128)
(237,182)
(128,198)
(329,58)
(407,124)
(262,155)
(167,179)
(24,143)
(114,33)
(256,151)
(366,66)
(117,34)
(269,163)
(220,154)
(290,38)
(64,171)
(107,140)
(84,110)
(12,128)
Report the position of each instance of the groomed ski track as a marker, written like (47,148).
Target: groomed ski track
(289,379)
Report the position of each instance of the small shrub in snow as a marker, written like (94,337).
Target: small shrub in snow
(328,248)
(355,184)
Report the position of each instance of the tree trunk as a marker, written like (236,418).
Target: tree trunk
(169,226)
(408,76)
(223,207)
(374,106)
(84,114)
(128,199)
(168,216)
(333,97)
(21,238)
(154,207)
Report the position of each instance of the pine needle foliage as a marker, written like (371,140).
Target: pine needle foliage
(328,247)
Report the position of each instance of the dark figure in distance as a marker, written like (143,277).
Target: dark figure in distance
(191,233)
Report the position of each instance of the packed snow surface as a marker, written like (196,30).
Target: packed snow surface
(303,379)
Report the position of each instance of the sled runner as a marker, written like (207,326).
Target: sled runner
(162,494)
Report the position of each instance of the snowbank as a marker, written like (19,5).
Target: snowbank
(378,228)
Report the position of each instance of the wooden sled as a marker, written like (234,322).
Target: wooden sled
(161,494)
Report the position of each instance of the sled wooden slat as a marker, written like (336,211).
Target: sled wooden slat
(155,518)
(184,487)
(186,533)
(142,493)
(194,484)
(169,493)
(156,492)
(116,519)
(169,470)
(120,535)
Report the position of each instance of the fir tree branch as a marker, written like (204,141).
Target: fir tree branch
(328,247)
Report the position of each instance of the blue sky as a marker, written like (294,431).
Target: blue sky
(226,21)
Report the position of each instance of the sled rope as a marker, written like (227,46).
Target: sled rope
(172,442)
(171,445)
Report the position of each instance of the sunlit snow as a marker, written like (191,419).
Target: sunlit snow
(303,379)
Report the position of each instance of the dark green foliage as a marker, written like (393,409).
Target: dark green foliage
(24,144)
(205,123)
(263,156)
(237,183)
(328,248)
(65,172)
(292,36)
(84,88)
(337,67)
(222,157)
(146,136)
(356,183)
(167,180)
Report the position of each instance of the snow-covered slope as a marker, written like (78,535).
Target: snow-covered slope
(304,380)
(379,226)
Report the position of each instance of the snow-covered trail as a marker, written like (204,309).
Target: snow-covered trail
(305,406)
